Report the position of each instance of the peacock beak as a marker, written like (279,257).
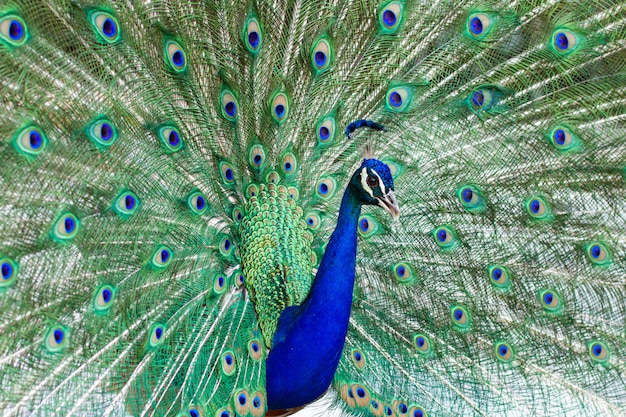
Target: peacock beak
(389,203)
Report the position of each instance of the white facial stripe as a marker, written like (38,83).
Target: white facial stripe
(383,188)
(367,187)
(364,182)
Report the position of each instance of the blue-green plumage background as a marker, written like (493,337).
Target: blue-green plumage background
(528,113)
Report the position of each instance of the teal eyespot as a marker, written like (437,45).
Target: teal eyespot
(460,318)
(368,226)
(13,30)
(313,221)
(504,352)
(227,173)
(229,365)
(500,277)
(258,404)
(279,107)
(471,198)
(106,27)
(252,35)
(325,130)
(103,299)
(395,167)
(252,191)
(156,335)
(403,272)
(272,177)
(358,358)
(289,164)
(8,272)
(193,411)
(257,156)
(161,257)
(170,138)
(445,237)
(255,349)
(237,215)
(56,339)
(479,24)
(241,401)
(598,253)
(563,139)
(293,193)
(229,105)
(538,208)
(325,188)
(219,284)
(238,279)
(422,344)
(598,351)
(126,204)
(398,98)
(226,246)
(102,132)
(564,41)
(196,201)
(550,301)
(65,228)
(390,16)
(175,56)
(30,141)
(321,55)
(417,411)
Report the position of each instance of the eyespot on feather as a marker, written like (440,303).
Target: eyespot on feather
(279,107)
(550,301)
(325,188)
(598,253)
(8,272)
(156,335)
(252,35)
(598,351)
(229,105)
(13,30)
(321,55)
(175,56)
(325,130)
(170,138)
(390,16)
(65,228)
(126,204)
(460,318)
(30,141)
(161,257)
(105,26)
(399,98)
(445,237)
(504,352)
(102,132)
(422,344)
(103,299)
(56,339)
(479,25)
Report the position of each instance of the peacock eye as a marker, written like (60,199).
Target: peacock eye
(372,181)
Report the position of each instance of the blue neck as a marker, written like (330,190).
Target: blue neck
(309,339)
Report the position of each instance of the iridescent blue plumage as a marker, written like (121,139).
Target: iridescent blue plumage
(310,337)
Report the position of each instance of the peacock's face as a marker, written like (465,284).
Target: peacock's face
(374,184)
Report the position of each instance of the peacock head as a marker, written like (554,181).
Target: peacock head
(373,185)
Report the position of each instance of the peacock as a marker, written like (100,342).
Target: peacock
(219,208)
